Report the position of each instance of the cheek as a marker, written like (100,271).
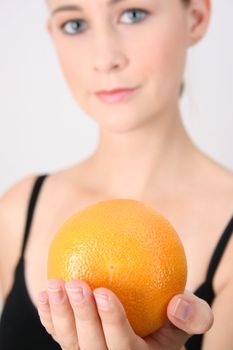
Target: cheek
(72,63)
(162,59)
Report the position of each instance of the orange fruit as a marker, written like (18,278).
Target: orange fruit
(128,247)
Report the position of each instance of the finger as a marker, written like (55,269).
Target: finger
(45,313)
(187,315)
(62,315)
(88,323)
(190,313)
(117,329)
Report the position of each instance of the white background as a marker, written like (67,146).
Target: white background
(42,128)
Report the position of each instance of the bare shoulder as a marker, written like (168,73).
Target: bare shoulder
(218,188)
(14,201)
(216,178)
(60,191)
(13,207)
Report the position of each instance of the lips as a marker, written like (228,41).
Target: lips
(115,91)
(115,95)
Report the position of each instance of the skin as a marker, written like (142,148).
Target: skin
(105,56)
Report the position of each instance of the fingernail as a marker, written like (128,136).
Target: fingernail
(56,294)
(102,301)
(76,293)
(43,302)
(182,310)
(42,298)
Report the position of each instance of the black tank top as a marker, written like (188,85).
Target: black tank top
(20,326)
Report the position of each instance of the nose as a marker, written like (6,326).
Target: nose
(107,54)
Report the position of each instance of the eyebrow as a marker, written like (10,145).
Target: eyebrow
(79,8)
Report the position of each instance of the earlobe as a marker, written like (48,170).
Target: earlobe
(199,16)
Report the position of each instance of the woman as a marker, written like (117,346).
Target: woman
(143,153)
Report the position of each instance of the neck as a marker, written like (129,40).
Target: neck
(143,162)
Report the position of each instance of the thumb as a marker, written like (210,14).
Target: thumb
(190,314)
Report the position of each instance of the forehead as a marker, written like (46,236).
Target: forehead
(80,2)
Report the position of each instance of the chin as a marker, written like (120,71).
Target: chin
(123,124)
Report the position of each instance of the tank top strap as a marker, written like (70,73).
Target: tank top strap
(219,250)
(31,207)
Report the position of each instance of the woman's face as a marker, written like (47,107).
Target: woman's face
(124,43)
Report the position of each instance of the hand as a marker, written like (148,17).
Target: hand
(79,325)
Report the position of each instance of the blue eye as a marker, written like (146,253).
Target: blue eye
(135,11)
(72,27)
